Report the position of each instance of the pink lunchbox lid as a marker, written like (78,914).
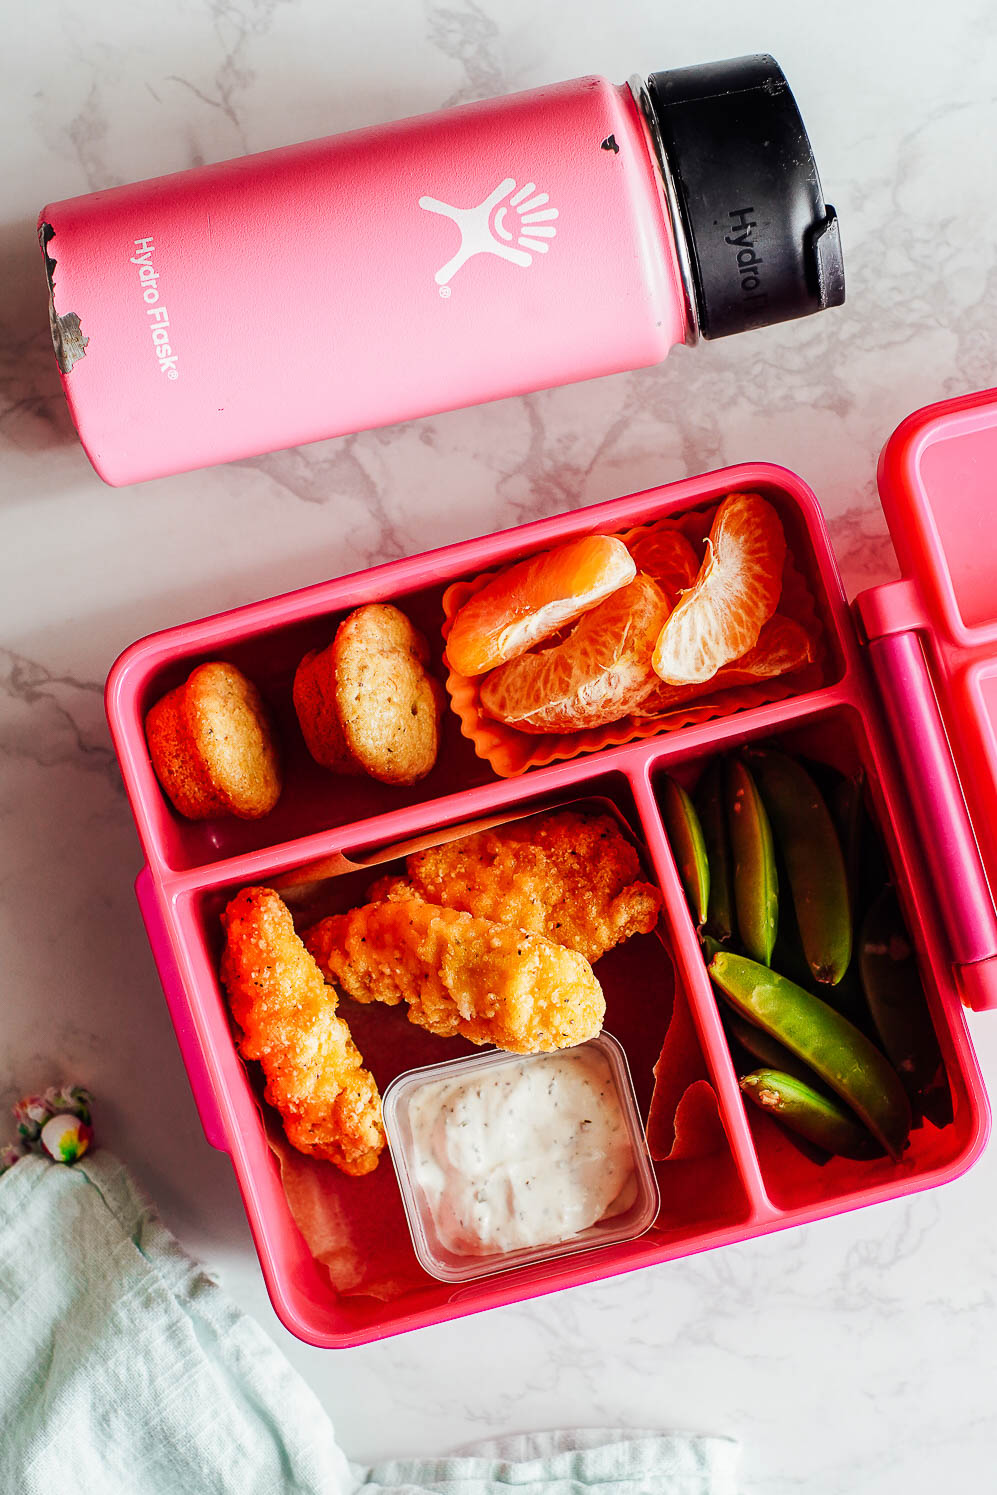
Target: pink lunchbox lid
(933,641)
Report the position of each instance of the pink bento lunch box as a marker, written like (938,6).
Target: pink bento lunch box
(909,694)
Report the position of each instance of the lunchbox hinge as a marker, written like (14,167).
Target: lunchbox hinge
(938,805)
(894,607)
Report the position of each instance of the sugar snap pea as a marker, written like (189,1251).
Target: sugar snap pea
(763,1047)
(814,1116)
(815,867)
(833,1047)
(709,802)
(847,997)
(686,836)
(788,957)
(756,882)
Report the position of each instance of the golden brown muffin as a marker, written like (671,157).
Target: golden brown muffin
(367,703)
(212,746)
(314,694)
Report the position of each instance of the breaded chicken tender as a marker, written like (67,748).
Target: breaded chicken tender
(315,1075)
(572,877)
(462,975)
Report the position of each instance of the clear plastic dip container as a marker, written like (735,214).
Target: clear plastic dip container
(508,1159)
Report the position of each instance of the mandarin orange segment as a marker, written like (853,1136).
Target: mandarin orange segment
(599,673)
(664,553)
(783,645)
(534,599)
(719,619)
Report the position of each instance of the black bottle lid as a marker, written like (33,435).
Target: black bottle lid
(763,244)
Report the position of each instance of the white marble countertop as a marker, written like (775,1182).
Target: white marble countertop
(851,1357)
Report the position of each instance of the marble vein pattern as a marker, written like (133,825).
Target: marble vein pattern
(853,1357)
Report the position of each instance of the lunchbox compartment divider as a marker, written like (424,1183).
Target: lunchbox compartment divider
(695,982)
(546,789)
(467,804)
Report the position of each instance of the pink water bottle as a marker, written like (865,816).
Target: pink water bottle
(484,251)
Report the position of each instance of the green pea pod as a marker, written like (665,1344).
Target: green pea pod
(766,1049)
(789,960)
(834,1048)
(814,1116)
(713,819)
(899,1008)
(787,956)
(686,836)
(756,882)
(815,867)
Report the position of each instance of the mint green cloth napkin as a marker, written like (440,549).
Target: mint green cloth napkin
(126,1370)
(593,1461)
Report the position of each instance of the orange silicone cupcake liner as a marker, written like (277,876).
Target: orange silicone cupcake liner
(511,752)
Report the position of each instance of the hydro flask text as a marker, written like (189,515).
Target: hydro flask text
(158,316)
(748,261)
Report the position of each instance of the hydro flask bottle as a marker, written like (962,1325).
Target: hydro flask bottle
(483,251)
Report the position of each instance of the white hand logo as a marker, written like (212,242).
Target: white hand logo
(480,234)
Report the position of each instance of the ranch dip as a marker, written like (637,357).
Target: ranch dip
(525,1154)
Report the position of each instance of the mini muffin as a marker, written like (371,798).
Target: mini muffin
(212,746)
(367,703)
(314,694)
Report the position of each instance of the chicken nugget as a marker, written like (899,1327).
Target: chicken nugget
(315,1076)
(367,702)
(212,746)
(570,876)
(461,975)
